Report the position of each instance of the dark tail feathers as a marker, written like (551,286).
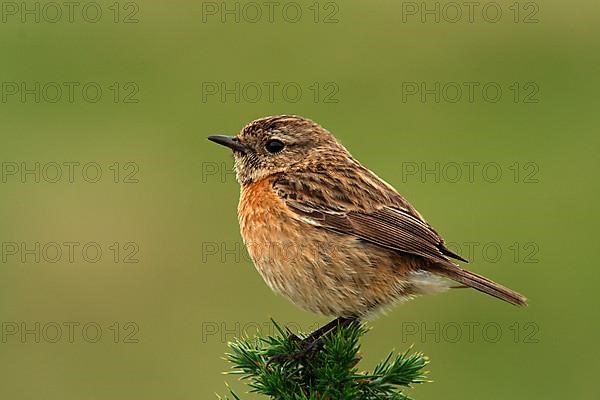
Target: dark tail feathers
(482,284)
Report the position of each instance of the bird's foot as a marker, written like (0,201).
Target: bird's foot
(306,350)
(308,347)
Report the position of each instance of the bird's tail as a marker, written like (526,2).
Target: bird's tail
(482,284)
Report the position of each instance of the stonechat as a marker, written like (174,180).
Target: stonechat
(330,235)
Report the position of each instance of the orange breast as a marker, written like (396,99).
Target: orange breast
(266,224)
(259,210)
(270,234)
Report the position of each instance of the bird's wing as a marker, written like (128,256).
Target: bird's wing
(392,227)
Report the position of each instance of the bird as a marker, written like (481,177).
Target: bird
(330,235)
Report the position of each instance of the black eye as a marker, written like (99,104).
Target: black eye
(274,146)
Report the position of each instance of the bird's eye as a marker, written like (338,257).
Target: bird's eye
(274,146)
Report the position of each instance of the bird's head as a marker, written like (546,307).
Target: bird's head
(273,145)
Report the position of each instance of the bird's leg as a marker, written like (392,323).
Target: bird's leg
(312,343)
(292,335)
(330,326)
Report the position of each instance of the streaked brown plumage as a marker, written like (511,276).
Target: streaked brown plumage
(329,234)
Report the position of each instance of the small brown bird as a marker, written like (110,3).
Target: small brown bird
(329,234)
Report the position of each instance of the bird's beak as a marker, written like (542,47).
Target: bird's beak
(229,141)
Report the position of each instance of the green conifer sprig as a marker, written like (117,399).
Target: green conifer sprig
(329,373)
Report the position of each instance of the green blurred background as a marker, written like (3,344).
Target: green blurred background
(171,207)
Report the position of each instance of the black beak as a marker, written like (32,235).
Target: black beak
(228,141)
